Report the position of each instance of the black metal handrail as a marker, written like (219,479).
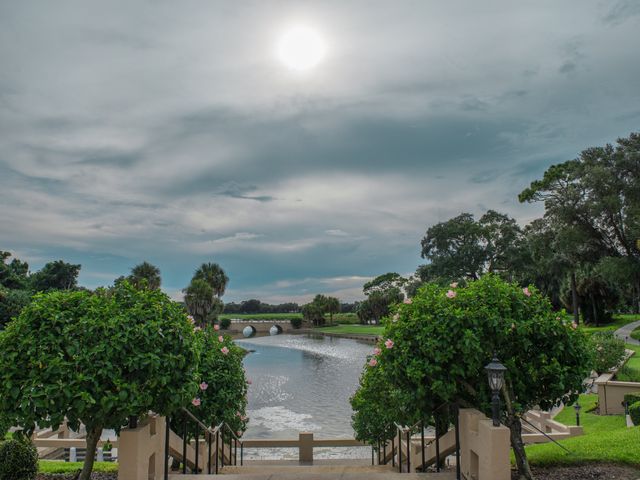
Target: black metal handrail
(400,430)
(211,435)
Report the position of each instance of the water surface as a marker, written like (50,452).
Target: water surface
(303,383)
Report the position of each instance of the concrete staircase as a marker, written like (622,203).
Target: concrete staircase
(315,472)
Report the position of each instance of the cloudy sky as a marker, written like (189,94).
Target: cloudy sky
(172,132)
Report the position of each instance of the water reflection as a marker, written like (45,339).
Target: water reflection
(303,383)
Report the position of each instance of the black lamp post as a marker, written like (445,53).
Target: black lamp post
(577,407)
(495,373)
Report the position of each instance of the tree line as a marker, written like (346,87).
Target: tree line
(584,253)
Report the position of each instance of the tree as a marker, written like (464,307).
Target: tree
(11,304)
(145,275)
(331,306)
(382,292)
(463,248)
(201,302)
(96,359)
(314,312)
(14,274)
(57,275)
(214,275)
(441,342)
(597,195)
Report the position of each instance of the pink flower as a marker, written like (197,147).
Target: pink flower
(373,362)
(388,343)
(191,319)
(238,414)
(377,351)
(451,294)
(204,386)
(249,382)
(454,285)
(396,317)
(526,291)
(408,301)
(195,402)
(224,350)
(216,327)
(221,339)
(197,329)
(574,325)
(238,433)
(244,418)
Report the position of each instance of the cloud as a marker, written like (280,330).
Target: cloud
(118,144)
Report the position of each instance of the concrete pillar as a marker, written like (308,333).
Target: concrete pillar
(306,447)
(100,455)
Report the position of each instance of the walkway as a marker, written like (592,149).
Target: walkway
(625,332)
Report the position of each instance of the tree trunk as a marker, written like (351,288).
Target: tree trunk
(574,298)
(93,436)
(515,429)
(596,319)
(515,435)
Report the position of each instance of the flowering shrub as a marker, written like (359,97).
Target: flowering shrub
(443,339)
(609,351)
(222,387)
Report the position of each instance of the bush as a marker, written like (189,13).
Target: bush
(18,460)
(634,412)
(296,322)
(225,323)
(631,398)
(609,351)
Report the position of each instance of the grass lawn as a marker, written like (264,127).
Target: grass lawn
(636,334)
(606,439)
(261,316)
(52,466)
(353,329)
(337,318)
(618,321)
(631,370)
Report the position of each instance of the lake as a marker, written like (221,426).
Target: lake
(303,383)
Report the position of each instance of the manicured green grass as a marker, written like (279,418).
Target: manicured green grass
(52,466)
(636,334)
(631,370)
(261,316)
(606,439)
(618,321)
(353,329)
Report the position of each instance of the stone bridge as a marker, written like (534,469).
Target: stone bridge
(260,327)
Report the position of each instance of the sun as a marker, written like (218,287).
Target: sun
(301,48)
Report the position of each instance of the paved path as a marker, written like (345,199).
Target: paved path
(625,332)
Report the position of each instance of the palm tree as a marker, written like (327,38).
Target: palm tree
(331,306)
(214,275)
(145,275)
(201,303)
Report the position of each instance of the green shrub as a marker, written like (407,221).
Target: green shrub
(631,398)
(18,460)
(634,412)
(609,351)
(296,322)
(225,323)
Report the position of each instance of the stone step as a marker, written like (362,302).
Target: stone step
(316,472)
(337,469)
(287,475)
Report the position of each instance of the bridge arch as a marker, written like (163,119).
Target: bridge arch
(249,331)
(275,329)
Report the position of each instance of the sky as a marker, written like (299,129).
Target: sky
(171,132)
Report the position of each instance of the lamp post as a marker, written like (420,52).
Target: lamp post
(577,407)
(495,374)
